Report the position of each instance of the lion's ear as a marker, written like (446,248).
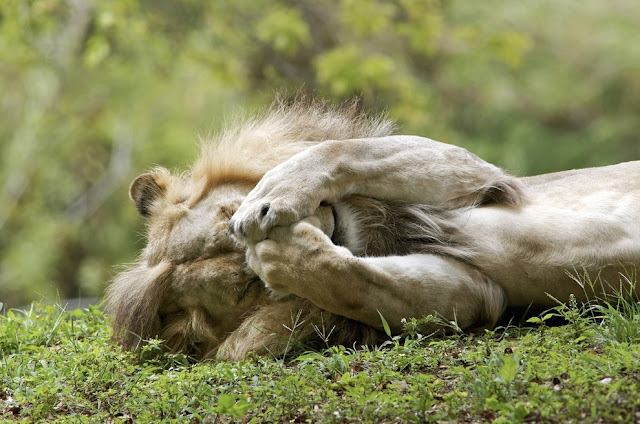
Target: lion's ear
(145,189)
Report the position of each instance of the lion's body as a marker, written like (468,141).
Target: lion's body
(569,222)
(570,228)
(418,227)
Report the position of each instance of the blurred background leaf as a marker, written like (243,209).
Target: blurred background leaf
(94,93)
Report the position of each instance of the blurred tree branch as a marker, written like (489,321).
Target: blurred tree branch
(119,166)
(73,34)
(42,97)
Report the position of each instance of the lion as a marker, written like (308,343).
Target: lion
(554,236)
(317,225)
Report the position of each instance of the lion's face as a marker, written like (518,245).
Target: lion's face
(190,286)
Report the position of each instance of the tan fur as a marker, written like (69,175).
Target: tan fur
(191,286)
(294,323)
(302,260)
(418,227)
(408,169)
(450,234)
(247,149)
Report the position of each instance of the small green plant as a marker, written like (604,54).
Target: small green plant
(617,310)
(385,325)
(431,324)
(235,406)
(507,373)
(620,321)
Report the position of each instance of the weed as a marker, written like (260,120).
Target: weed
(324,334)
(296,323)
(620,321)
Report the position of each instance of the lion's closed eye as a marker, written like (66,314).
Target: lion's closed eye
(249,290)
(226,211)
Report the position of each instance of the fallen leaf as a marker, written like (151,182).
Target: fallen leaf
(401,384)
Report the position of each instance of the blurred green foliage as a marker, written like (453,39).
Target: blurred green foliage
(96,92)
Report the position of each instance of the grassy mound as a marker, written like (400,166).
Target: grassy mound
(61,366)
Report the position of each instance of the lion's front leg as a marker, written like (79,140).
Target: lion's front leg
(302,260)
(397,168)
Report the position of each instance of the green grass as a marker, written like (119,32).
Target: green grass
(61,366)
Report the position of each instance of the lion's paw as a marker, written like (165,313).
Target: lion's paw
(254,219)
